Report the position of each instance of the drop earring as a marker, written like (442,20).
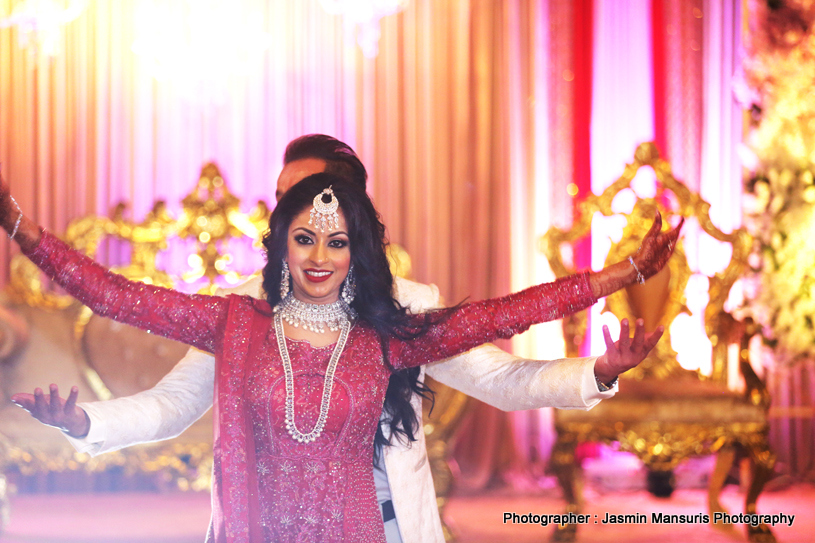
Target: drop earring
(284,280)
(349,287)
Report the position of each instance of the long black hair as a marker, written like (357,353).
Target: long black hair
(374,301)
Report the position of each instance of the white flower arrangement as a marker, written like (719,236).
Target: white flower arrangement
(780,203)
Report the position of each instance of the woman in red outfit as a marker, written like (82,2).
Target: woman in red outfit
(302,376)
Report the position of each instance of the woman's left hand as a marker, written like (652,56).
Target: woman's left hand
(627,352)
(656,248)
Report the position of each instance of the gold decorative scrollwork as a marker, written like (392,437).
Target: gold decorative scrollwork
(669,413)
(211,215)
(685,204)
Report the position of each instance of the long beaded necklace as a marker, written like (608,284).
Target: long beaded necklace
(328,383)
(315,317)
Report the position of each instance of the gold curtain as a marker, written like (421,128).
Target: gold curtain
(434,135)
(429,116)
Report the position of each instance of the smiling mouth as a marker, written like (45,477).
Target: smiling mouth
(317,275)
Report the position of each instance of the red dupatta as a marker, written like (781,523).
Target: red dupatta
(235,507)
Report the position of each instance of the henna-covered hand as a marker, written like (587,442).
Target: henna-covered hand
(656,248)
(55,411)
(627,352)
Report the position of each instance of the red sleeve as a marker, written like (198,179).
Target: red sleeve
(476,323)
(190,318)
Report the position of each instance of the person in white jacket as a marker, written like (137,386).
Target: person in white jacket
(403,478)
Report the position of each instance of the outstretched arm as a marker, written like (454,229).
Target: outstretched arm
(472,324)
(162,412)
(512,383)
(192,319)
(503,380)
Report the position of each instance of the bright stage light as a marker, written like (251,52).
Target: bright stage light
(40,22)
(361,18)
(198,45)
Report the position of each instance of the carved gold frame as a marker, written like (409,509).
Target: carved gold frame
(661,445)
(211,216)
(689,205)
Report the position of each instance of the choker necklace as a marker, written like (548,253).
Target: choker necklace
(328,383)
(314,317)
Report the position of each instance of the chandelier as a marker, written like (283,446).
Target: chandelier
(39,23)
(361,18)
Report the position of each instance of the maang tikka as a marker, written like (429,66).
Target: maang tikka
(324,215)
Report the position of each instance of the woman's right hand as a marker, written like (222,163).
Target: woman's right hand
(22,229)
(7,207)
(55,411)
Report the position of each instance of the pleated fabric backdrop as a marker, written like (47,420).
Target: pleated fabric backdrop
(473,120)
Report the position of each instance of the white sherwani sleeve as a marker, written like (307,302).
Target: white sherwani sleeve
(163,412)
(506,381)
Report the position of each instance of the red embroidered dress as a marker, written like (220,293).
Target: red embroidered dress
(267,486)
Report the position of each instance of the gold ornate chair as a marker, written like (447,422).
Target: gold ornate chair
(663,413)
(70,344)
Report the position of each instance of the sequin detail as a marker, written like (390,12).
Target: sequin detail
(267,487)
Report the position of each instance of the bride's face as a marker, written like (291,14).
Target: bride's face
(318,261)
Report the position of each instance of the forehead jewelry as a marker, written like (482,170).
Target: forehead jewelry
(324,215)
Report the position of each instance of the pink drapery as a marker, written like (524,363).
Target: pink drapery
(661,71)
(442,116)
(91,127)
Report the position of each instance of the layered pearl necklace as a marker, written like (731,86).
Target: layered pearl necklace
(328,383)
(315,317)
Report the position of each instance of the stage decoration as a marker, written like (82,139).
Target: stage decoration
(210,221)
(665,413)
(780,152)
(361,19)
(200,45)
(39,23)
(185,466)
